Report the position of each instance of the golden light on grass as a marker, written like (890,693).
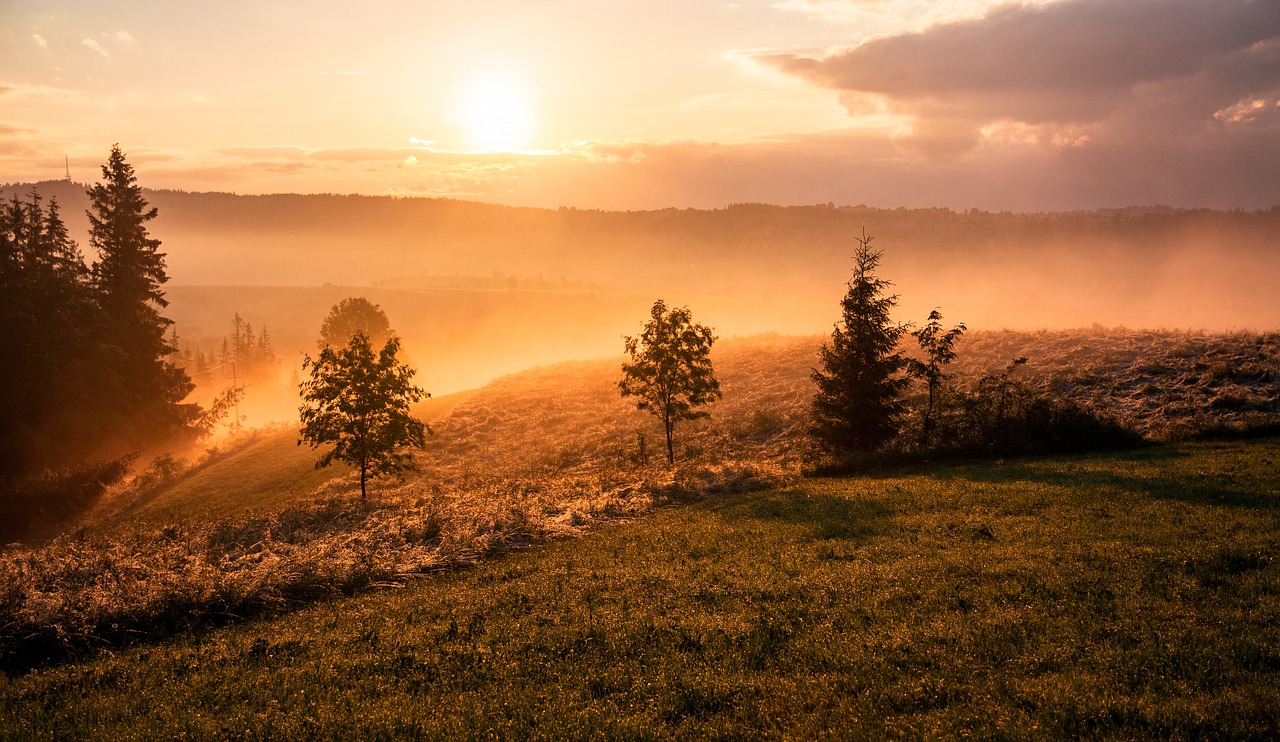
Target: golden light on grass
(497,115)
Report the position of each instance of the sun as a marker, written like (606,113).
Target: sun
(496,115)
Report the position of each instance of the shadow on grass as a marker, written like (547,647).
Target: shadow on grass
(824,516)
(1118,470)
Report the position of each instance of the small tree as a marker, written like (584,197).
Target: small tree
(354,315)
(359,401)
(858,401)
(670,371)
(939,350)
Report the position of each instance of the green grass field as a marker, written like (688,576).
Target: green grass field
(1117,595)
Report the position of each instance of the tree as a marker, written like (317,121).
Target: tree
(858,401)
(939,350)
(354,315)
(48,321)
(670,370)
(359,401)
(145,389)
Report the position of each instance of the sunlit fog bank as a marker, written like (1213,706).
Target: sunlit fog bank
(476,291)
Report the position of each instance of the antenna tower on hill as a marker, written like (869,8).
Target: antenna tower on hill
(67,161)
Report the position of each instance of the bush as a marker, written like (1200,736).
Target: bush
(1002,415)
(38,503)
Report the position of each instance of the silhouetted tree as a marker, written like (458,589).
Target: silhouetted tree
(939,351)
(860,385)
(146,390)
(47,321)
(670,370)
(359,401)
(351,316)
(250,352)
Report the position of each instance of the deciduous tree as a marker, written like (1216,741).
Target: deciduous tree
(351,316)
(670,370)
(939,351)
(358,400)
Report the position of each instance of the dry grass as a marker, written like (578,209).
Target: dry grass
(545,454)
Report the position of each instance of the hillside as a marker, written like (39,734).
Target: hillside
(1125,595)
(548,453)
(567,418)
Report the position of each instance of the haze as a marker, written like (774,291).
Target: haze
(1041,106)
(1161,119)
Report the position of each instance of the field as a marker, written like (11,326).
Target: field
(1121,595)
(542,559)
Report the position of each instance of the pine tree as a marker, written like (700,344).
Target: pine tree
(47,319)
(858,401)
(148,390)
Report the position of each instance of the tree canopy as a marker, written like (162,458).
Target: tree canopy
(351,316)
(670,371)
(358,400)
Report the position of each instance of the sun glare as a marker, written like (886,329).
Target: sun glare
(496,115)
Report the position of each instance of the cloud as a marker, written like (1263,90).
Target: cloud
(40,41)
(95,47)
(9,130)
(1069,63)
(124,37)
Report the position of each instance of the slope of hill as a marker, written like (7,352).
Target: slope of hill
(537,455)
(1121,596)
(568,417)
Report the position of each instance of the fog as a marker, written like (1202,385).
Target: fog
(476,290)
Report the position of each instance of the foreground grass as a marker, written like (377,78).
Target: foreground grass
(1117,595)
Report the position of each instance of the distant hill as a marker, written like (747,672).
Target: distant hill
(1140,267)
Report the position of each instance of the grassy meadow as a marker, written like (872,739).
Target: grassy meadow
(542,575)
(1115,595)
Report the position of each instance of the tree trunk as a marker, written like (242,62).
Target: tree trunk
(364,473)
(671,453)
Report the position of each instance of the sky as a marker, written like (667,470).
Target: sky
(621,104)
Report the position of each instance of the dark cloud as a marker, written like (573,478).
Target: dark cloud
(1070,63)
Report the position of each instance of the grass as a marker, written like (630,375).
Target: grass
(1119,595)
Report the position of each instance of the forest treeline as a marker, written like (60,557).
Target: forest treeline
(1132,262)
(87,374)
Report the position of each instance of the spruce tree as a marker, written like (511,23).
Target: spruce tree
(47,318)
(144,389)
(860,385)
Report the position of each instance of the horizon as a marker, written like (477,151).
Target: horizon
(1042,106)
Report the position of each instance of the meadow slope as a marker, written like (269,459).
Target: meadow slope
(1125,595)
(543,454)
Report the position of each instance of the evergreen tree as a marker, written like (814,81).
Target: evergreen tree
(858,401)
(47,319)
(147,390)
(359,401)
(670,370)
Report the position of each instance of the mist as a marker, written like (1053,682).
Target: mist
(476,291)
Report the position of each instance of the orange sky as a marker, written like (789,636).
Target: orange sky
(618,104)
